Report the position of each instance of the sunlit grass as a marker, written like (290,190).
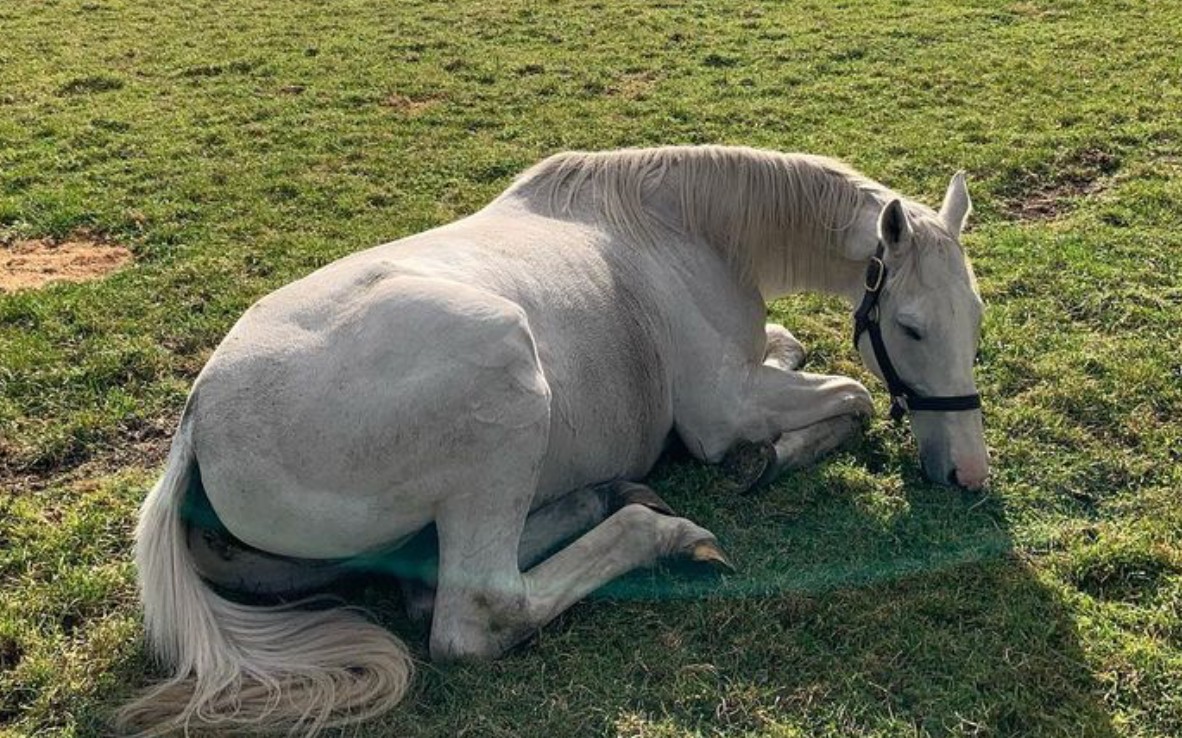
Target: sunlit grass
(236,146)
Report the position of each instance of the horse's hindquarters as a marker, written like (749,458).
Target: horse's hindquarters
(335,434)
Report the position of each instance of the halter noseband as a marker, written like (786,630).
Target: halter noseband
(903,398)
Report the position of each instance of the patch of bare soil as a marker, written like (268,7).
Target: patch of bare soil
(1046,195)
(633,86)
(148,449)
(410,105)
(29,264)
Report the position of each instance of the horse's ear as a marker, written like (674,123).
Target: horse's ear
(894,229)
(957,205)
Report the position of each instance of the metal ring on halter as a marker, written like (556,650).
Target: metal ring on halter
(880,274)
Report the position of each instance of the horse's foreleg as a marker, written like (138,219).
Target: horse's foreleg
(753,464)
(798,448)
(761,403)
(760,420)
(753,461)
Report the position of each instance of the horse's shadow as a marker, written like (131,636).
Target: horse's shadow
(864,609)
(859,607)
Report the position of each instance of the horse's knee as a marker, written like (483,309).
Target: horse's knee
(850,395)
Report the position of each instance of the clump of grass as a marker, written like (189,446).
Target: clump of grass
(1129,568)
(91,84)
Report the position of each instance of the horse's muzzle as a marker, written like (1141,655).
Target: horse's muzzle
(972,477)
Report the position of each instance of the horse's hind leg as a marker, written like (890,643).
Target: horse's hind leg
(577,512)
(546,528)
(238,569)
(485,604)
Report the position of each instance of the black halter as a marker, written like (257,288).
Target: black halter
(903,398)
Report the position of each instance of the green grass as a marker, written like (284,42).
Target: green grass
(236,146)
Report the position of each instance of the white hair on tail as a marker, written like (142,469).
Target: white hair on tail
(247,668)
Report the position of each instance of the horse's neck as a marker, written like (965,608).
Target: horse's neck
(802,227)
(783,223)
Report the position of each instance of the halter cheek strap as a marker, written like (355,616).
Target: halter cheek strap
(903,398)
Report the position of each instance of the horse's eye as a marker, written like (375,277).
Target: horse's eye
(911,332)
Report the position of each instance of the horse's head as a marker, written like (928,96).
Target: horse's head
(927,316)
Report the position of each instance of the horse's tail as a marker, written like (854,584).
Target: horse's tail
(247,668)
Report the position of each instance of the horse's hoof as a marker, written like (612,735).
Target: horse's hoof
(631,493)
(750,465)
(708,552)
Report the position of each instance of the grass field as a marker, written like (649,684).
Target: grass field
(234,146)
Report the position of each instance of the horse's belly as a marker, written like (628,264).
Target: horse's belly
(611,414)
(574,461)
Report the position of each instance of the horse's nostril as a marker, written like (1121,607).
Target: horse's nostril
(952,480)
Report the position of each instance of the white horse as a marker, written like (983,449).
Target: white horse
(503,378)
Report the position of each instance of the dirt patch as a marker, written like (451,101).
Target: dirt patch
(29,264)
(123,453)
(633,85)
(1045,194)
(410,105)
(11,653)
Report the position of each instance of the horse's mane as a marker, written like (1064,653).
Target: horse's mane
(756,203)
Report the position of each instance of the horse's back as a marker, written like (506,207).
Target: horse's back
(343,408)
